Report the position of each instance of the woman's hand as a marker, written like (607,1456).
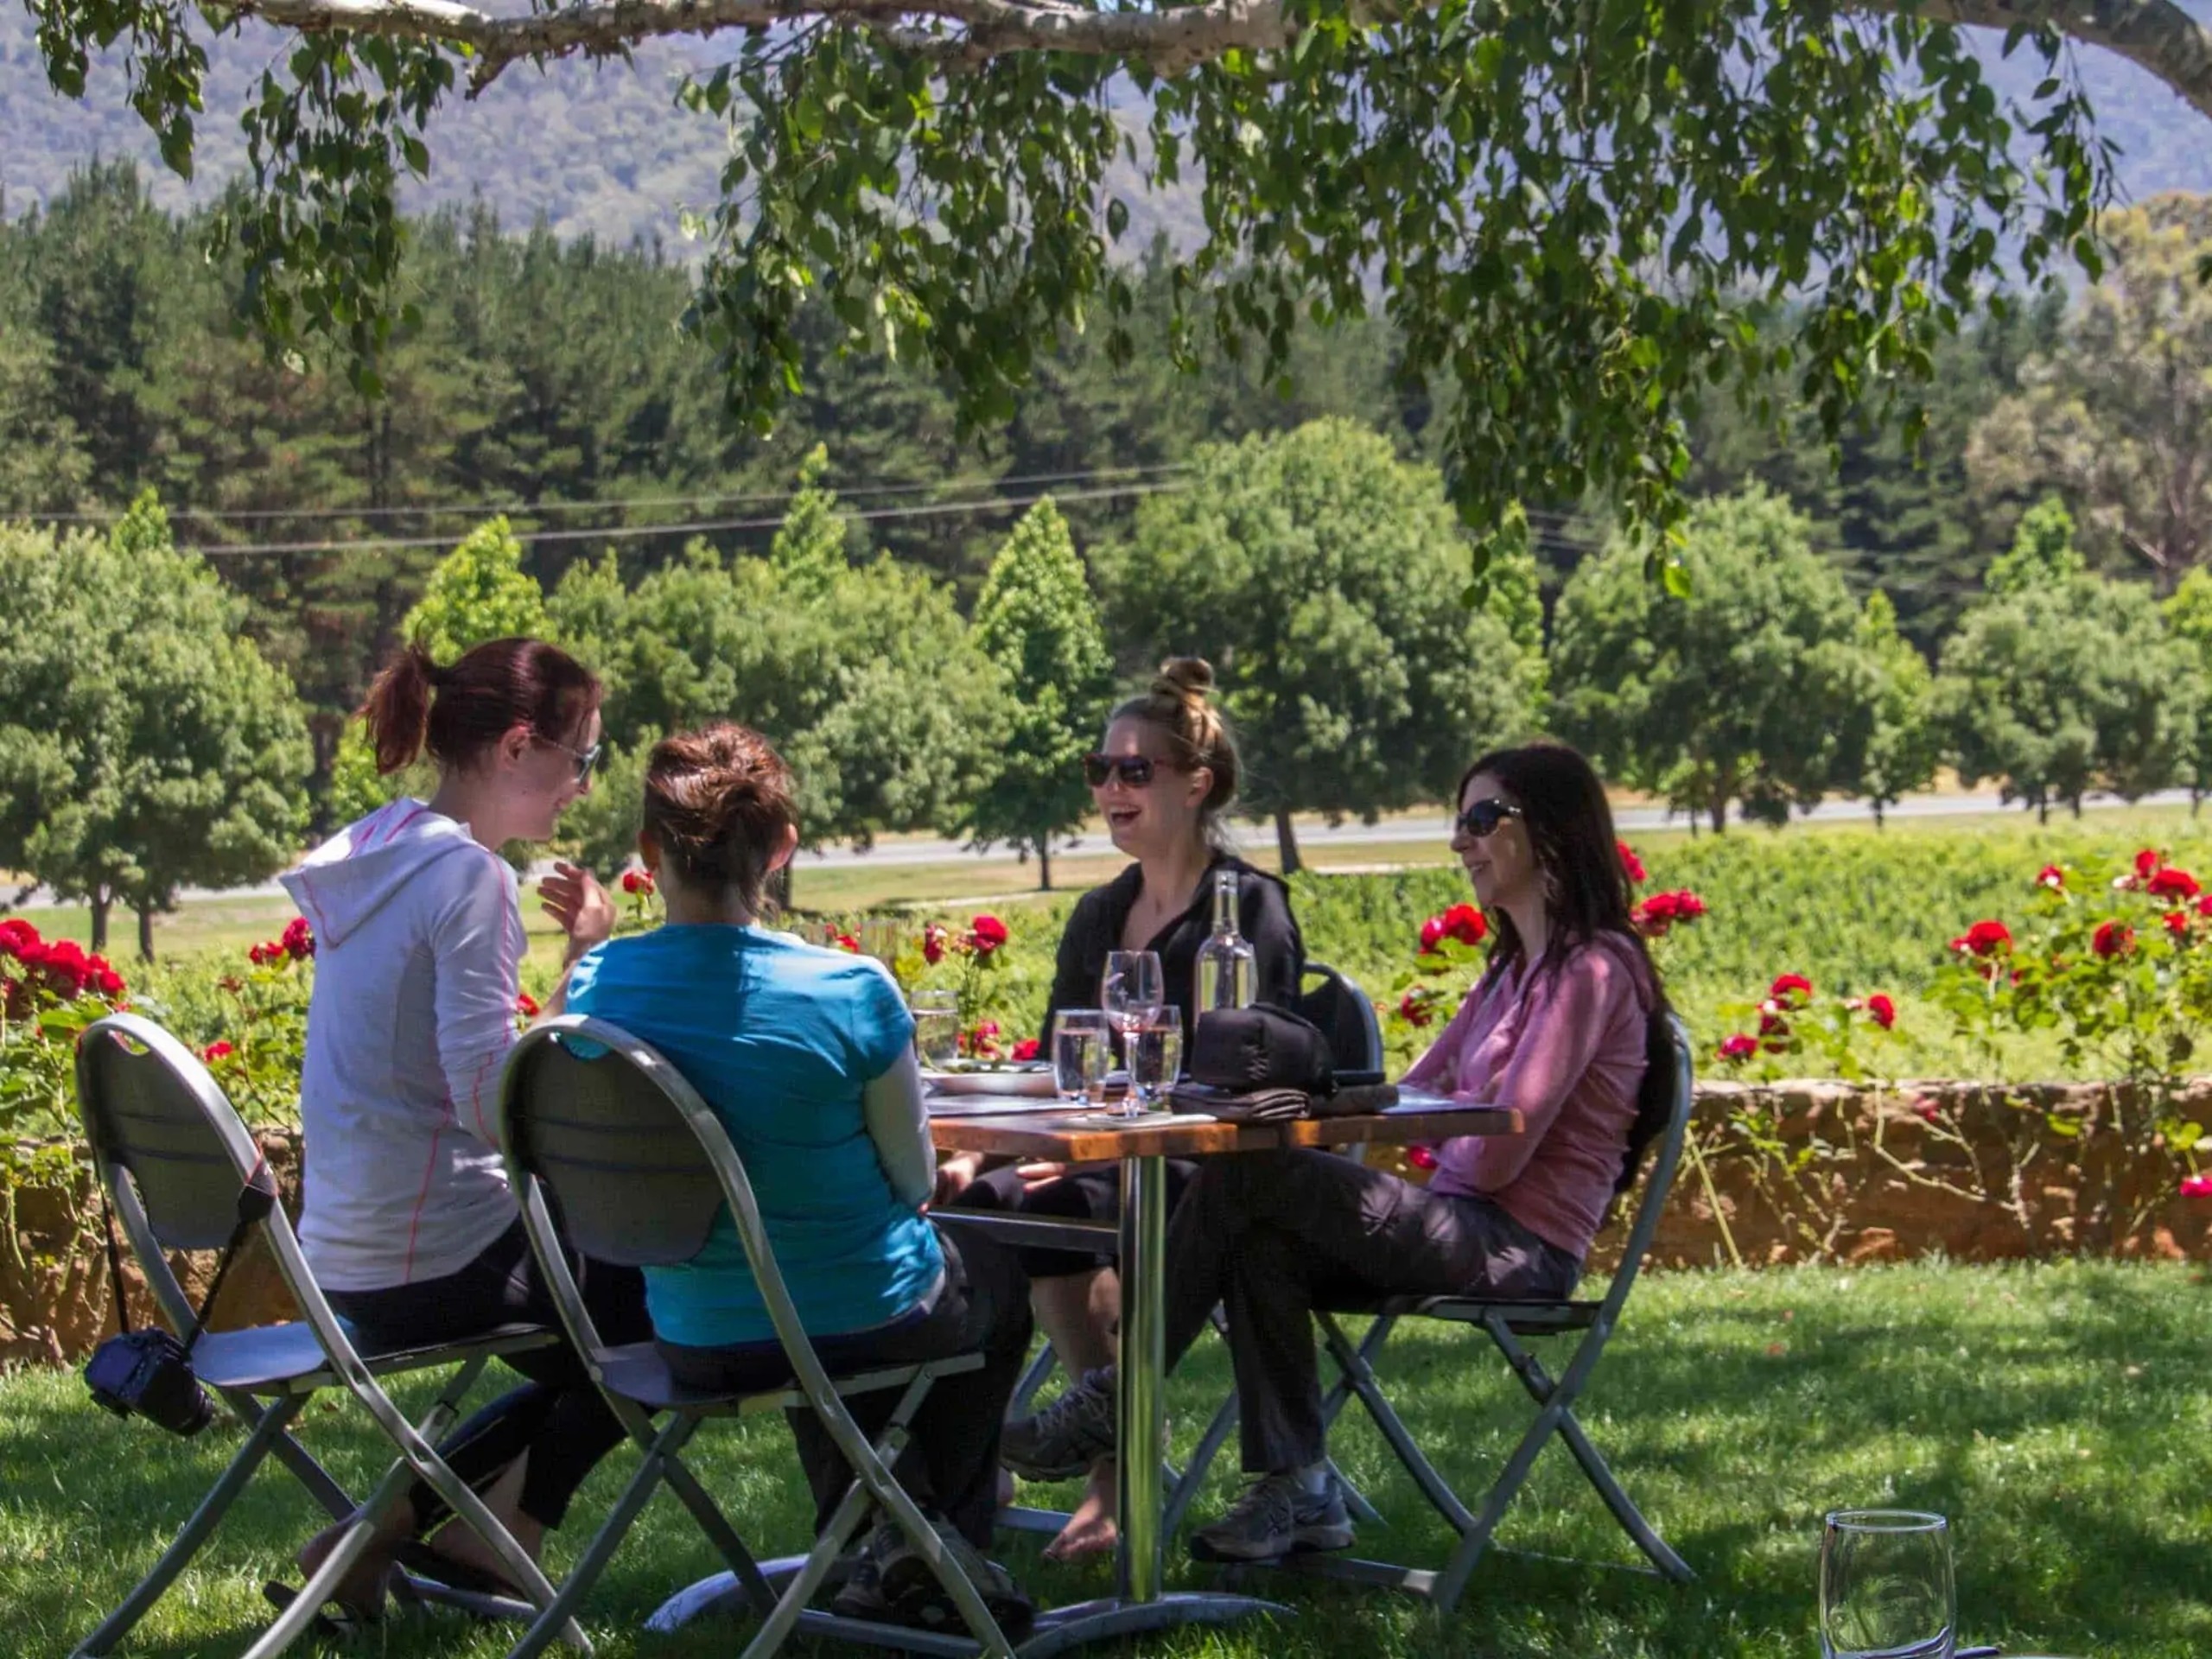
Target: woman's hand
(956,1175)
(573,897)
(1036,1175)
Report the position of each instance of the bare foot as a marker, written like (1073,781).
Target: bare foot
(1090,1530)
(362,1590)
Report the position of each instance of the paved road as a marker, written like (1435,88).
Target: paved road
(1349,834)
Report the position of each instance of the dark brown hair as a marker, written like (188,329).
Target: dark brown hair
(1176,705)
(459,712)
(719,802)
(1589,896)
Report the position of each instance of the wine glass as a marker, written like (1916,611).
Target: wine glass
(1885,1586)
(1155,1060)
(1080,1050)
(1131,991)
(937,1027)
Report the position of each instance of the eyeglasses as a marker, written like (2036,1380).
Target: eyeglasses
(1135,770)
(1483,817)
(587,760)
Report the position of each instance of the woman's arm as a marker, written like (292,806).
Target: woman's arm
(1559,1038)
(1437,1069)
(899,1123)
(476,948)
(1279,952)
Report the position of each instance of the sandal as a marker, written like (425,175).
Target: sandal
(420,1561)
(334,1621)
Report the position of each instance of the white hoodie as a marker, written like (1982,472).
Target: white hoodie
(418,942)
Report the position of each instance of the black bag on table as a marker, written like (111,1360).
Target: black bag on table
(1258,1064)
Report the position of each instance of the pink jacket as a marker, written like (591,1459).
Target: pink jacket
(1567,1048)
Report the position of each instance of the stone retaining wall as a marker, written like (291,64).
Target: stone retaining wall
(1991,1179)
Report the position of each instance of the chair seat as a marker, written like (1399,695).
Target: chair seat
(637,1372)
(1522,1317)
(288,1359)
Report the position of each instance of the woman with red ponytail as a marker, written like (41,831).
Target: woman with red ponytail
(408,1220)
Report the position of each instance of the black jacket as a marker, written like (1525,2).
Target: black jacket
(1095,928)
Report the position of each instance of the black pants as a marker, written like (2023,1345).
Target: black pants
(950,1461)
(1086,1192)
(558,1417)
(1272,1236)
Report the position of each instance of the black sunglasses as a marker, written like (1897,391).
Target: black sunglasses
(587,760)
(1483,817)
(1135,770)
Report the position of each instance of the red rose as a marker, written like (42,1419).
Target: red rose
(16,935)
(630,882)
(2177,922)
(1466,923)
(1421,1157)
(1432,935)
(1881,1011)
(1025,1049)
(1925,1108)
(259,954)
(2146,865)
(215,1052)
(1772,1026)
(526,1005)
(2052,877)
(933,944)
(104,977)
(1740,1047)
(2196,1186)
(988,932)
(2173,883)
(1791,990)
(2204,906)
(2113,939)
(1984,939)
(846,942)
(299,939)
(1631,866)
(1412,1008)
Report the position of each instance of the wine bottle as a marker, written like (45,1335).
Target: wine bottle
(1227,967)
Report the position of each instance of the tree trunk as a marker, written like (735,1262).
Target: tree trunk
(1720,815)
(1286,843)
(2074,802)
(1044,865)
(102,903)
(1878,816)
(145,932)
(2042,810)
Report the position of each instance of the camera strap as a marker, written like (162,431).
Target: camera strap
(257,1199)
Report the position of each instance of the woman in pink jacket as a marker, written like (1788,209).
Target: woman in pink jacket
(1558,1028)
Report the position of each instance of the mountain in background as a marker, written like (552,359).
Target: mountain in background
(603,148)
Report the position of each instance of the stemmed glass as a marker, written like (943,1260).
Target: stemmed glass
(1885,1586)
(1131,991)
(1080,1053)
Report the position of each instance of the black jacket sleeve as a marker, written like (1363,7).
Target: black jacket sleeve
(1082,958)
(1266,920)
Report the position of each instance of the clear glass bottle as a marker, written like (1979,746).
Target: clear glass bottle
(1228,968)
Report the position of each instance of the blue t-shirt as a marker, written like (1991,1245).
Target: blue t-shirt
(780,1038)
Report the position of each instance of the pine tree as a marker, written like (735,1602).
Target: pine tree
(1037,622)
(808,551)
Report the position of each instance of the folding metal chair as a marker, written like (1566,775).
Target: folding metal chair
(173,1157)
(1506,1322)
(598,1126)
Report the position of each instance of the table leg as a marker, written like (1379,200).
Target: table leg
(1143,1364)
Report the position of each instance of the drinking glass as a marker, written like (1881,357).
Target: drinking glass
(937,1027)
(1081,1052)
(1131,991)
(1885,1586)
(1155,1061)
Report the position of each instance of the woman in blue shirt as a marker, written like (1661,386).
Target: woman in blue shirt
(806,1056)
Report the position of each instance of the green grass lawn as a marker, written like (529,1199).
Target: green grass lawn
(2055,1414)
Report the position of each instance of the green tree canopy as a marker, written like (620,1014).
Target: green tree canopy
(1890,742)
(1037,622)
(145,744)
(1323,578)
(1737,691)
(2189,618)
(2057,687)
(1565,210)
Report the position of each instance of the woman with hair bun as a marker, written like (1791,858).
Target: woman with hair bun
(1163,779)
(806,1055)
(408,1220)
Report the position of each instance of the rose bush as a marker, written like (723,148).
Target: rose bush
(50,990)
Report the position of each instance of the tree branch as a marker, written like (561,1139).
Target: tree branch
(2155,34)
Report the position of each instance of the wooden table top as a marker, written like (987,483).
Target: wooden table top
(1081,1138)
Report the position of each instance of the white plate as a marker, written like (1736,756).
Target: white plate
(1033,1082)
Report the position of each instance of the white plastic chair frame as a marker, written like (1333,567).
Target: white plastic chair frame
(523,1084)
(131,1072)
(1506,1322)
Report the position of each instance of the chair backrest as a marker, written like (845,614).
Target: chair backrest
(149,1107)
(638,1167)
(1346,1017)
(1660,1179)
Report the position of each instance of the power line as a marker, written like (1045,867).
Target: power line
(539,509)
(624,532)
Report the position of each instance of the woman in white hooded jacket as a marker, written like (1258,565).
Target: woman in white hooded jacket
(408,1220)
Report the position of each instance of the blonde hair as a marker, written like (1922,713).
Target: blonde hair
(1176,705)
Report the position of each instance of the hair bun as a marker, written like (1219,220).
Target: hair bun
(1188,677)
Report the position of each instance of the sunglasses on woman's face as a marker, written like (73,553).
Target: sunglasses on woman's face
(587,760)
(1483,817)
(1134,770)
